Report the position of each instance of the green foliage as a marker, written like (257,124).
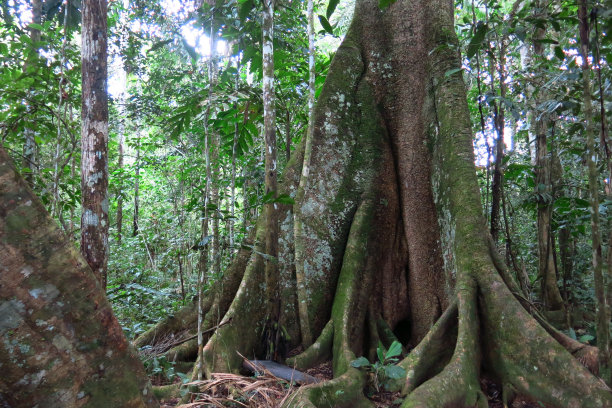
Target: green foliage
(384,370)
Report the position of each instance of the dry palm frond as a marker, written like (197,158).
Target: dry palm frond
(225,389)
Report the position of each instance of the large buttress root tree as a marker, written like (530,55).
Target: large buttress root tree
(387,238)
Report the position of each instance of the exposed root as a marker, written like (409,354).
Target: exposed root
(344,391)
(318,352)
(165,392)
(430,356)
(458,383)
(587,355)
(181,320)
(524,356)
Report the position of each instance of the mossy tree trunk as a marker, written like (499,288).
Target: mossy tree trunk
(60,344)
(387,231)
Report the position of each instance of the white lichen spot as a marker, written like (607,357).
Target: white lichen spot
(89,218)
(26,271)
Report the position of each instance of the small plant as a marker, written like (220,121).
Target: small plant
(161,370)
(385,369)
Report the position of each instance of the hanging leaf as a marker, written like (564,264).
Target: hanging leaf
(452,71)
(331,7)
(325,23)
(245,9)
(559,53)
(477,40)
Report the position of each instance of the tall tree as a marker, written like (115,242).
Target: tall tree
(393,237)
(30,147)
(271,186)
(94,138)
(541,126)
(603,319)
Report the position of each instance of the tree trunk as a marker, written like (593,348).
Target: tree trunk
(551,296)
(271,239)
(61,345)
(120,188)
(603,321)
(30,147)
(136,187)
(94,138)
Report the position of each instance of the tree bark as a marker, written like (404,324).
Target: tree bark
(271,186)
(120,188)
(30,147)
(551,296)
(603,321)
(94,138)
(135,225)
(61,345)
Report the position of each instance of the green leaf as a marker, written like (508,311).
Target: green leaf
(35,26)
(326,24)
(559,53)
(360,362)
(572,333)
(245,9)
(395,372)
(383,4)
(452,71)
(586,338)
(284,199)
(380,352)
(395,349)
(331,7)
(477,40)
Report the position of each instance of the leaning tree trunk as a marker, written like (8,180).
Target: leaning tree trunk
(61,345)
(387,233)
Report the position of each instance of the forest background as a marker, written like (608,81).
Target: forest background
(522,65)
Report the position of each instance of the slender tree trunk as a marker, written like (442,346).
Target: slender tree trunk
(499,124)
(603,323)
(271,270)
(94,138)
(30,147)
(120,188)
(232,220)
(287,136)
(62,94)
(211,193)
(136,187)
(302,296)
(551,296)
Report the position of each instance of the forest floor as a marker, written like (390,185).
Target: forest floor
(267,391)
